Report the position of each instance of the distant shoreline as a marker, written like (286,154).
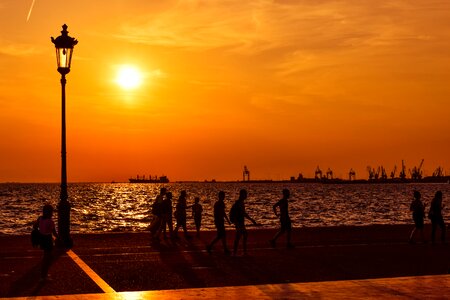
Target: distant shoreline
(426,180)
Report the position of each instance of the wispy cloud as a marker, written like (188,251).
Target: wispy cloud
(13,49)
(314,46)
(255,26)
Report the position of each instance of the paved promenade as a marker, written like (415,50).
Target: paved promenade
(327,262)
(423,287)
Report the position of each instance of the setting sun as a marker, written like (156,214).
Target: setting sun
(128,77)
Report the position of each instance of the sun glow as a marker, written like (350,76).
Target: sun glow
(128,77)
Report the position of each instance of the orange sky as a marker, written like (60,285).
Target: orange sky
(279,86)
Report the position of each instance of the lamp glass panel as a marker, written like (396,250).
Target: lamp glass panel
(63,57)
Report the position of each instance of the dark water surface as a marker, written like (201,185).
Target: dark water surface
(98,207)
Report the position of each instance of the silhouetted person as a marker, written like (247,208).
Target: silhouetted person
(166,221)
(155,226)
(180,214)
(219,220)
(197,210)
(285,221)
(47,229)
(418,214)
(436,217)
(237,216)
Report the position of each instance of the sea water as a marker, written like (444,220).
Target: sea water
(109,207)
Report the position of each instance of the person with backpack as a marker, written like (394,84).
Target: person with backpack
(180,215)
(166,221)
(435,215)
(237,217)
(46,228)
(219,217)
(197,210)
(284,220)
(155,226)
(418,214)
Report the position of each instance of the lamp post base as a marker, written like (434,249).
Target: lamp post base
(64,240)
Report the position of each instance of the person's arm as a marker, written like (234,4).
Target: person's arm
(275,208)
(36,223)
(226,217)
(250,218)
(54,230)
(55,233)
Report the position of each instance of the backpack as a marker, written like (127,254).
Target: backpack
(157,208)
(36,236)
(234,212)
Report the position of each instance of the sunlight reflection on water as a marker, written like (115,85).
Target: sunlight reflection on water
(102,207)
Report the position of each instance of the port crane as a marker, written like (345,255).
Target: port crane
(318,173)
(383,173)
(351,175)
(329,174)
(371,173)
(377,173)
(246,174)
(416,172)
(439,172)
(403,171)
(393,172)
(374,174)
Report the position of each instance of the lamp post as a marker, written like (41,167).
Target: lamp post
(64,48)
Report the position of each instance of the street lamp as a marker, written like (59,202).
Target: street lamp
(64,48)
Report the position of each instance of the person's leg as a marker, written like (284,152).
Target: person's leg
(236,240)
(276,236)
(163,226)
(412,235)
(46,261)
(170,225)
(175,230)
(218,237)
(219,229)
(433,230)
(244,240)
(47,246)
(186,234)
(154,226)
(224,243)
(288,238)
(198,225)
(422,235)
(213,242)
(442,225)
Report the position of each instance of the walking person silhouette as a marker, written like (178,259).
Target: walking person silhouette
(285,221)
(197,210)
(46,228)
(219,220)
(418,214)
(435,215)
(166,209)
(155,225)
(237,217)
(180,215)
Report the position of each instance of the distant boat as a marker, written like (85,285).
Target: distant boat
(156,179)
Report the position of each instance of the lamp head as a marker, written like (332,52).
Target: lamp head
(64,48)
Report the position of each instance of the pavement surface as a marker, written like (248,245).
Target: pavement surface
(128,264)
(422,287)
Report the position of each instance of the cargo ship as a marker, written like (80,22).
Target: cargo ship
(150,179)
